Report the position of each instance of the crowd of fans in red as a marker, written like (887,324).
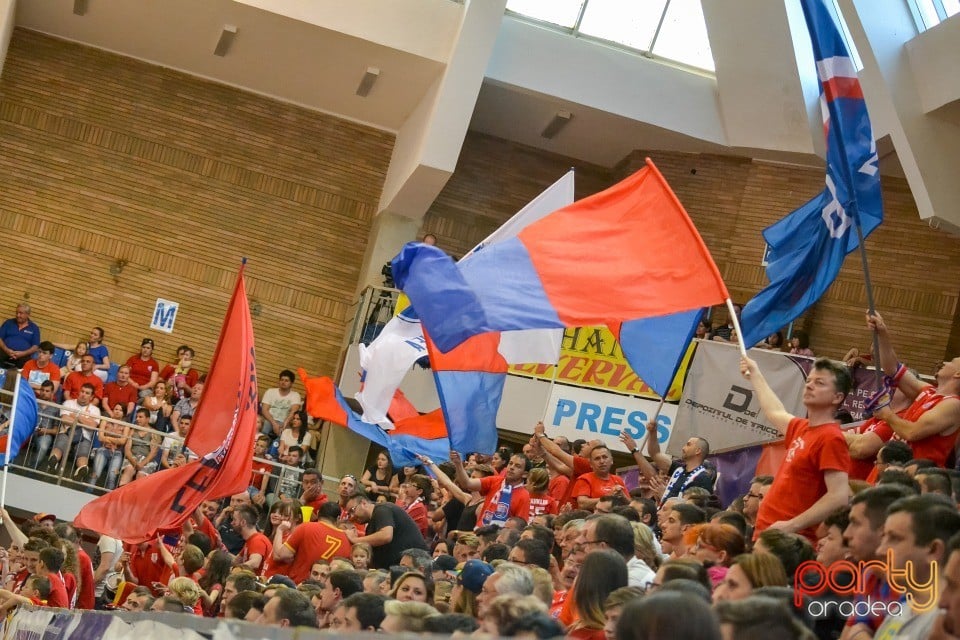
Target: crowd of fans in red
(858,535)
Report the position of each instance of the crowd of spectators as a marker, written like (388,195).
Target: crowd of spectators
(857,535)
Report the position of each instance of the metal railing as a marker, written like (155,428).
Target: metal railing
(32,459)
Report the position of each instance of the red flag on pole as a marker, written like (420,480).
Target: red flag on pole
(222,435)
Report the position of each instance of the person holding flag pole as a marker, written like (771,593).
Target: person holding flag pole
(687,471)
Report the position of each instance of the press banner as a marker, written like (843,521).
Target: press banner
(718,404)
(576,412)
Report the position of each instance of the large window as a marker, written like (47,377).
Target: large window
(930,13)
(670,29)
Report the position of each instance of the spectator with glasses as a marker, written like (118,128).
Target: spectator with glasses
(751,502)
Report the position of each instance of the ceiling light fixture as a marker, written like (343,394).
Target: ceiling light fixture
(558,122)
(366,83)
(226,39)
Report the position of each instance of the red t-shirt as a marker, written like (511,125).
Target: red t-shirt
(799,483)
(312,541)
(591,486)
(260,471)
(76,380)
(542,504)
(70,584)
(256,544)
(558,487)
(860,468)
(141,370)
(418,513)
(148,567)
(317,502)
(58,592)
(580,466)
(115,394)
(938,446)
(86,599)
(490,489)
(51,370)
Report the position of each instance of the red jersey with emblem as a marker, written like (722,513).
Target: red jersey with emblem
(799,483)
(490,489)
(936,447)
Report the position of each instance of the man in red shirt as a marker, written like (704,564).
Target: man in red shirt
(143,565)
(812,482)
(590,487)
(256,546)
(121,392)
(504,496)
(74,381)
(930,425)
(144,370)
(312,541)
(313,495)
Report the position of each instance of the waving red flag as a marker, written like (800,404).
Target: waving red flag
(222,435)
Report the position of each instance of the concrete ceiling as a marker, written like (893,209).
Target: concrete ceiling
(319,68)
(271,54)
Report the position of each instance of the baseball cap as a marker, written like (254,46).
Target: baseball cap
(40,517)
(474,574)
(444,563)
(148,341)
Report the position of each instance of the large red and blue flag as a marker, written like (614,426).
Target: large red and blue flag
(807,248)
(628,257)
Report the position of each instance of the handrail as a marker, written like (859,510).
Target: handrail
(63,478)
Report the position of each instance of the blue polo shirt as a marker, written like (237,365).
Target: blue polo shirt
(19,339)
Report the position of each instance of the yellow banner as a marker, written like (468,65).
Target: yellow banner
(591,357)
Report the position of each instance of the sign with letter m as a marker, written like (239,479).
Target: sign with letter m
(164,315)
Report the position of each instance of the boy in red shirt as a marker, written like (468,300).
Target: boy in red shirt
(51,559)
(36,591)
(812,482)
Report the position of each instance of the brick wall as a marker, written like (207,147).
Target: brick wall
(914,269)
(107,162)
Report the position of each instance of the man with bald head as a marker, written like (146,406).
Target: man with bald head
(930,424)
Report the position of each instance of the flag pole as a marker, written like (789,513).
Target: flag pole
(553,382)
(736,327)
(10,430)
(877,369)
(646,436)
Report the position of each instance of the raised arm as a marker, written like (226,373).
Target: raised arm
(465,482)
(661,460)
(908,384)
(769,402)
(551,447)
(444,480)
(646,469)
(943,418)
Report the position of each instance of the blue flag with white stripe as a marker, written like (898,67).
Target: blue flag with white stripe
(23,422)
(807,248)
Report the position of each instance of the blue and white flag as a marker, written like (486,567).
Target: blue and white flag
(23,422)
(807,248)
(386,361)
